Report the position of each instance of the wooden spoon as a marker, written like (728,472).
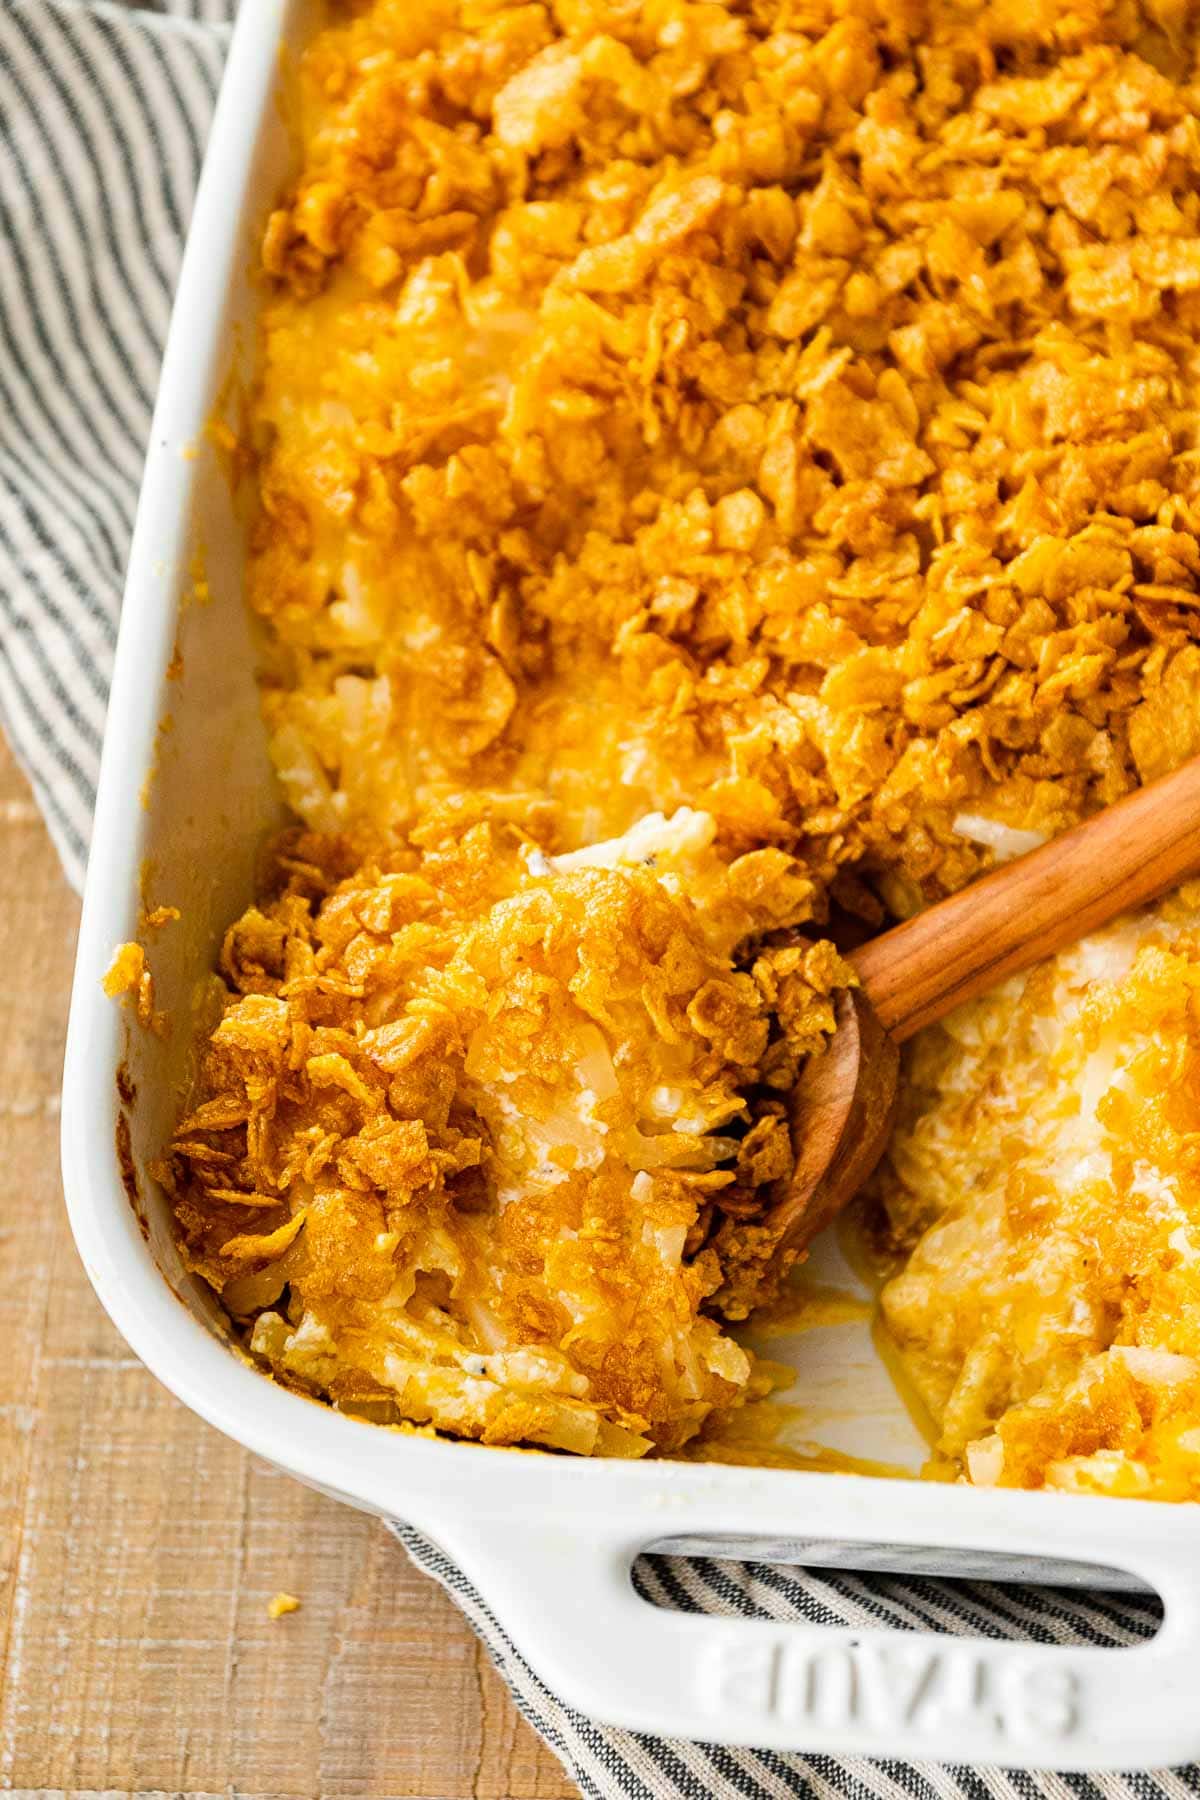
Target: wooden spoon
(843,1106)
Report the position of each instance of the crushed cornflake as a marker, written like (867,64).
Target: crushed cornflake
(786,411)
(480,1127)
(781,416)
(279,1604)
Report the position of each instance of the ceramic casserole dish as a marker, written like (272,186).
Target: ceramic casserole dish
(186,798)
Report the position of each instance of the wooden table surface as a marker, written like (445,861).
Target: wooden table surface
(139,1550)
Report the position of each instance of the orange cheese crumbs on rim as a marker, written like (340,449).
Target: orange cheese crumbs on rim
(126,971)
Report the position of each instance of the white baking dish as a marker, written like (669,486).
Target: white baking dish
(548,1540)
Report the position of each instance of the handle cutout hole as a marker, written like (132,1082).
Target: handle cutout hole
(1014,1609)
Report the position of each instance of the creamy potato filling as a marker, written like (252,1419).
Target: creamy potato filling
(1044,1191)
(476,1116)
(716,468)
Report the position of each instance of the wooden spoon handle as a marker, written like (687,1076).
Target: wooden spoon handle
(1123,857)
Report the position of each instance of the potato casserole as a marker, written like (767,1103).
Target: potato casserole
(722,474)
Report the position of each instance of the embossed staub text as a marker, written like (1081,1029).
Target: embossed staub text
(888,1684)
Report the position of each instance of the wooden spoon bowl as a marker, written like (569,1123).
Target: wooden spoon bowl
(843,1106)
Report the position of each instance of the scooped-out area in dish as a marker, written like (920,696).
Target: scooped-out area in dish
(723,473)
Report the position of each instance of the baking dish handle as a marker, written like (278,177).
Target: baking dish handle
(564,1595)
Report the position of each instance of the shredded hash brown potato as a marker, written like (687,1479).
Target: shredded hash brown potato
(1047,1179)
(719,467)
(470,1107)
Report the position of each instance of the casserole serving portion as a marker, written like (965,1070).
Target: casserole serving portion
(716,472)
(864,744)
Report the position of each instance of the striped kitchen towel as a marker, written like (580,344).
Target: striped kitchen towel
(103,114)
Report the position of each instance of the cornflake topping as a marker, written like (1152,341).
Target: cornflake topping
(765,434)
(477,1120)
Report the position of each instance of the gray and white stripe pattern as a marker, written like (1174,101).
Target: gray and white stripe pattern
(608,1763)
(103,113)
(103,116)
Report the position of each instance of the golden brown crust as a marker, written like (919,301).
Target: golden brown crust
(784,411)
(471,1113)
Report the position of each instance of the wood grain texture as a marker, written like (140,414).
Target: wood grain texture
(842,1110)
(138,1549)
(1124,857)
